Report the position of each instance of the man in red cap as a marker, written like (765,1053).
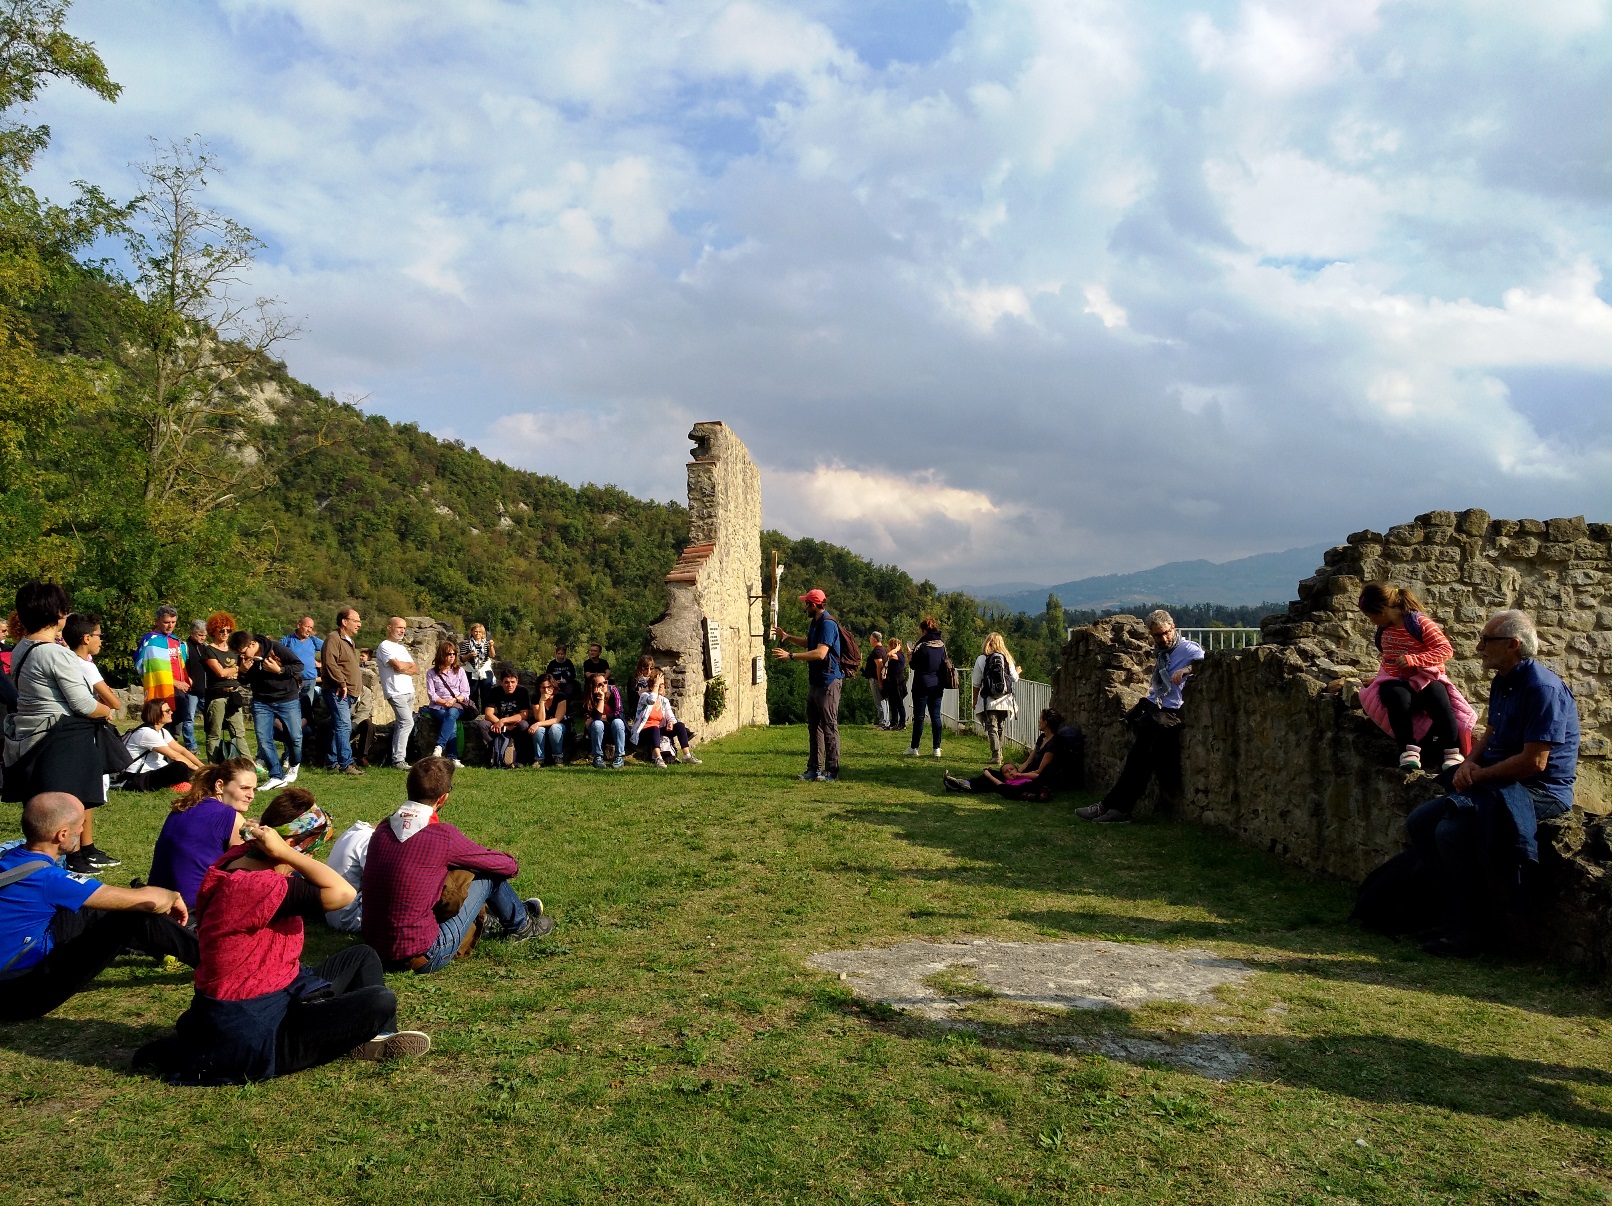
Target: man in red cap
(820,647)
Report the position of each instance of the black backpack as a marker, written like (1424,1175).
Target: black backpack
(993,682)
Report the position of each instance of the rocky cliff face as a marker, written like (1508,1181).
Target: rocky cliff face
(1274,746)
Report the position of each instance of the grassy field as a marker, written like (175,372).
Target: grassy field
(669,1043)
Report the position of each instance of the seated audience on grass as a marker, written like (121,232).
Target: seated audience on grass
(397,669)
(159,760)
(994,703)
(1412,697)
(505,719)
(407,865)
(258,1012)
(1477,838)
(604,719)
(595,663)
(274,676)
(478,655)
(1155,723)
(53,741)
(1050,766)
(82,634)
(656,720)
(224,706)
(895,683)
(60,929)
(549,711)
(448,691)
(202,824)
(346,859)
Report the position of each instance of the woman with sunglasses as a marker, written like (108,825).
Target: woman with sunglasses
(159,760)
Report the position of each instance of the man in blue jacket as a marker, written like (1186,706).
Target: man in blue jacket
(1485,829)
(820,648)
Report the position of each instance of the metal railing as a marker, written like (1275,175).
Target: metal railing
(1222,638)
(1029,695)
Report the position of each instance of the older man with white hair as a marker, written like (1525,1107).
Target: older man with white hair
(1477,838)
(59,929)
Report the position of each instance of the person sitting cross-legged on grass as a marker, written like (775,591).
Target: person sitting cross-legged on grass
(410,856)
(258,1012)
(656,719)
(1036,778)
(58,929)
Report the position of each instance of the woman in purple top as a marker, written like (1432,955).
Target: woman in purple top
(203,824)
(448,689)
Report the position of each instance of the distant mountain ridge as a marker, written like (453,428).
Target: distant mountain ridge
(1262,578)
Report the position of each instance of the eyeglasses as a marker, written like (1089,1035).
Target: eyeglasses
(1484,640)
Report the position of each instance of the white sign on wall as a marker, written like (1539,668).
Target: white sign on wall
(713,646)
(758,670)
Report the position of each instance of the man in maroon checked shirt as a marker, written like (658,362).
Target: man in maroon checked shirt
(409,858)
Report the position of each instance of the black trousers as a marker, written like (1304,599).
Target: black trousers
(167,776)
(327,1027)
(898,711)
(85,943)
(1155,751)
(984,784)
(1402,704)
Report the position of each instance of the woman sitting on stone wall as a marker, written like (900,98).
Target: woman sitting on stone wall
(1411,697)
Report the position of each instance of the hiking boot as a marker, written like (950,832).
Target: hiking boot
(1112,816)
(352,770)
(810,776)
(397,1045)
(1091,812)
(538,923)
(98,858)
(829,777)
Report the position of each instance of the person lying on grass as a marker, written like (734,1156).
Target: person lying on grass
(1032,779)
(60,929)
(407,867)
(258,1013)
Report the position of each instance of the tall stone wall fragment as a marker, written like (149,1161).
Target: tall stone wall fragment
(711,587)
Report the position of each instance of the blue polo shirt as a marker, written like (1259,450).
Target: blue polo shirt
(28,908)
(305,650)
(1532,704)
(824,631)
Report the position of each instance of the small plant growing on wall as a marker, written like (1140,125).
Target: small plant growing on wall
(716,697)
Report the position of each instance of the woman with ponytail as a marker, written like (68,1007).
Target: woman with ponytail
(204,822)
(1411,697)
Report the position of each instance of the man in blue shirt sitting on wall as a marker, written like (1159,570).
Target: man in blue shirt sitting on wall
(1155,722)
(1486,827)
(821,648)
(58,929)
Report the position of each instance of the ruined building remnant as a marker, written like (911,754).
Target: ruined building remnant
(713,626)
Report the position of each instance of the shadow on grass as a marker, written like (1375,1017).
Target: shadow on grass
(90,1043)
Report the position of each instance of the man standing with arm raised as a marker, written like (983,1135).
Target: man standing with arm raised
(820,647)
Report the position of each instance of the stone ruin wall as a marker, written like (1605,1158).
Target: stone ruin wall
(1274,746)
(712,583)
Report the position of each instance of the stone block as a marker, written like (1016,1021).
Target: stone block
(1437,519)
(1365,536)
(1567,530)
(1472,522)
(1338,555)
(1601,532)
(1403,534)
(1531,527)
(1552,551)
(1503,527)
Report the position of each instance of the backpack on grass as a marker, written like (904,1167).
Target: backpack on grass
(503,751)
(228,747)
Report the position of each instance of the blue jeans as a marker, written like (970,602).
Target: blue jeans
(548,744)
(596,735)
(185,705)
(501,902)
(919,704)
(290,714)
(447,727)
(341,729)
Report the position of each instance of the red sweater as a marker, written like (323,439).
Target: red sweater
(403,882)
(245,952)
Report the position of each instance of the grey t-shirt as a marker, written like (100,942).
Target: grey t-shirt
(50,686)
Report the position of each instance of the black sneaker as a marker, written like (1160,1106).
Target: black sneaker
(98,858)
(77,864)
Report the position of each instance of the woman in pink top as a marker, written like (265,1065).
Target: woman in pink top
(448,689)
(1412,697)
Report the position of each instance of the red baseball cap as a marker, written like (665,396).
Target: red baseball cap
(815,597)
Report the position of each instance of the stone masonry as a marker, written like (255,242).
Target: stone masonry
(1276,750)
(711,586)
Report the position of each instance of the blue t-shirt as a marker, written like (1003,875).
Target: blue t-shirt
(305,651)
(824,631)
(28,908)
(1532,704)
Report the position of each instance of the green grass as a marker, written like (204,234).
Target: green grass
(669,1043)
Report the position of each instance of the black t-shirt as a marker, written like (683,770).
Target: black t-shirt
(595,665)
(895,674)
(508,705)
(564,673)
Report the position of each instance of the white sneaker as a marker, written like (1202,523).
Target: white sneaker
(456,762)
(392,1046)
(271,784)
(291,774)
(689,759)
(910,752)
(436,751)
(937,751)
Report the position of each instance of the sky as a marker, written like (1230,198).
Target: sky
(1011,290)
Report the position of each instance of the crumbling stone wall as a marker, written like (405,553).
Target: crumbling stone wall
(711,586)
(1274,746)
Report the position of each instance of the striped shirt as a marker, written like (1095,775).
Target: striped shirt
(1419,639)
